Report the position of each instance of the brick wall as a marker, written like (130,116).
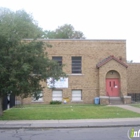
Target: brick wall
(133,77)
(92,80)
(113,65)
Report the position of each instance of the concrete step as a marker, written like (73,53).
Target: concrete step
(115,101)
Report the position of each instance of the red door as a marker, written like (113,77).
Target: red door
(112,87)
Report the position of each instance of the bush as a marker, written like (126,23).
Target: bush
(55,102)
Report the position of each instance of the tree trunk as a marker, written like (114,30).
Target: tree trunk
(1,110)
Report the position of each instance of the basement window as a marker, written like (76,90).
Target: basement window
(39,97)
(57,95)
(76,95)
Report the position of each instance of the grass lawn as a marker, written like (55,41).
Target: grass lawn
(136,105)
(63,112)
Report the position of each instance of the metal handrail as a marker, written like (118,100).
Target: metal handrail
(109,97)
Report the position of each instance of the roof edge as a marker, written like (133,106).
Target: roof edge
(111,57)
(28,39)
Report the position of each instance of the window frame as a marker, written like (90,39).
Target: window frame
(57,96)
(80,99)
(40,99)
(74,68)
(56,58)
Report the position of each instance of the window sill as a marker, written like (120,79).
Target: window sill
(77,101)
(76,74)
(37,101)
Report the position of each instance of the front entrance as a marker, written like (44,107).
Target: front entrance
(112,87)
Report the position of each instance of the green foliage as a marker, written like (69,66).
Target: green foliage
(23,64)
(37,95)
(66,31)
(55,102)
(136,104)
(18,25)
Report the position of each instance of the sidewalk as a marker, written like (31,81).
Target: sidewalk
(86,123)
(128,107)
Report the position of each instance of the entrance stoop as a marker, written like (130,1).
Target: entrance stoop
(115,101)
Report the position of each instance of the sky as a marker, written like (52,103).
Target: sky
(97,19)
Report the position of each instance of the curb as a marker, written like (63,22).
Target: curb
(67,127)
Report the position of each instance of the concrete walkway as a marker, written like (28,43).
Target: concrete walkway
(82,123)
(128,107)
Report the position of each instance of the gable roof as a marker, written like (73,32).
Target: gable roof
(106,60)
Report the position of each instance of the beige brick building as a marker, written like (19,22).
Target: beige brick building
(95,68)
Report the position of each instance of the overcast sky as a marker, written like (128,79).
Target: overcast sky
(97,19)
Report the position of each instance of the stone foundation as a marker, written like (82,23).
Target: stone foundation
(127,99)
(104,100)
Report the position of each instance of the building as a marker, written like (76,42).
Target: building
(95,68)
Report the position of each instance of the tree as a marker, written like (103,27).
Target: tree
(18,24)
(66,31)
(129,61)
(22,64)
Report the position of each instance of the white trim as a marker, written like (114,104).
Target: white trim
(44,39)
(77,101)
(104,97)
(126,97)
(36,101)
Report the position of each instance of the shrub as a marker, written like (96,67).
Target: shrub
(55,102)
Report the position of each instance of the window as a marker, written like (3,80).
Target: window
(76,65)
(135,97)
(58,59)
(38,96)
(57,95)
(76,95)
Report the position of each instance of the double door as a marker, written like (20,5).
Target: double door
(112,87)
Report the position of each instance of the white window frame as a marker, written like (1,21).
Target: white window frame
(56,97)
(40,99)
(77,96)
